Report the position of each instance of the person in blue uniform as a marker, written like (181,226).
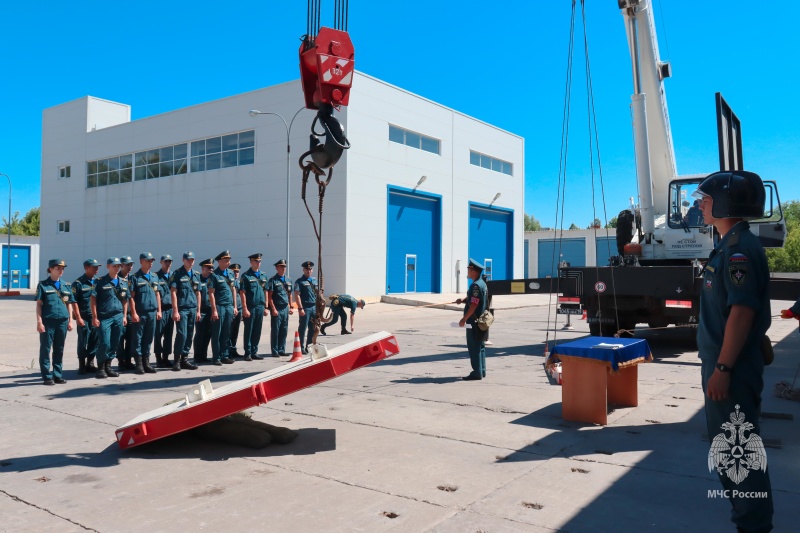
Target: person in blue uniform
(165,326)
(202,331)
(474,305)
(339,304)
(145,306)
(124,352)
(279,298)
(109,310)
(184,285)
(253,293)
(305,293)
(87,334)
(236,321)
(734,317)
(221,290)
(54,302)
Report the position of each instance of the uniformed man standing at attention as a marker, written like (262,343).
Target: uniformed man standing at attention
(338,305)
(474,305)
(184,285)
(54,302)
(253,292)
(124,353)
(165,326)
(202,332)
(305,293)
(236,321)
(279,298)
(145,306)
(221,290)
(87,334)
(734,317)
(109,312)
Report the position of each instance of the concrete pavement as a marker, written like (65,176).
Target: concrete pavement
(402,445)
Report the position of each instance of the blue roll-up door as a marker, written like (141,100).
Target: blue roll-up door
(491,234)
(526,274)
(573,251)
(20,266)
(605,247)
(414,229)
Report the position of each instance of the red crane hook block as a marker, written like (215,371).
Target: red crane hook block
(326,68)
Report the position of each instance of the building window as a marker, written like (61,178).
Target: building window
(414,140)
(490,163)
(234,149)
(64,172)
(63,226)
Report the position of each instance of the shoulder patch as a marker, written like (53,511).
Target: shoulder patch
(737,269)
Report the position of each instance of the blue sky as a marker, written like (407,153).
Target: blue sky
(505,65)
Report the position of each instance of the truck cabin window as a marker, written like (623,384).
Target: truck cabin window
(684,208)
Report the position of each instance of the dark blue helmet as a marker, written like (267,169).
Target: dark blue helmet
(736,194)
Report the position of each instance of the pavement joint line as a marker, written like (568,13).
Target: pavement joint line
(263,461)
(57,411)
(48,511)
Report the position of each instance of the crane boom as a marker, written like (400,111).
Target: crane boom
(655,156)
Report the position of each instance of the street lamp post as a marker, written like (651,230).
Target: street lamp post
(288,126)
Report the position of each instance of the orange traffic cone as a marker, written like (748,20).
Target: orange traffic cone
(583,315)
(297,353)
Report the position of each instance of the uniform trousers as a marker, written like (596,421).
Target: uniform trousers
(279,328)
(252,330)
(110,331)
(221,332)
(184,333)
(55,334)
(752,514)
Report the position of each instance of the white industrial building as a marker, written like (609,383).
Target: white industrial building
(422,189)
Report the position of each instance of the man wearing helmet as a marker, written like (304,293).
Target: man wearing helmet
(734,316)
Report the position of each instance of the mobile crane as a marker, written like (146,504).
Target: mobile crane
(655,278)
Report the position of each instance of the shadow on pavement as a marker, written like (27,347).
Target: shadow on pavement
(182,446)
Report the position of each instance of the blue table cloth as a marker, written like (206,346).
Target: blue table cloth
(611,351)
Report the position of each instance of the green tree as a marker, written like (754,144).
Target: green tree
(531,224)
(787,259)
(595,224)
(27,225)
(612,223)
(574,226)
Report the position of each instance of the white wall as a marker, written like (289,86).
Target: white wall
(243,209)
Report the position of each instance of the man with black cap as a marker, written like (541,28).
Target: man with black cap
(253,292)
(305,293)
(145,306)
(202,332)
(165,326)
(474,305)
(221,288)
(279,298)
(87,334)
(124,352)
(54,310)
(109,315)
(236,321)
(184,285)
(340,302)
(734,317)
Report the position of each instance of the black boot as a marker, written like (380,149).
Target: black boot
(176,366)
(82,366)
(90,365)
(322,331)
(101,372)
(146,365)
(185,364)
(139,368)
(109,372)
(345,332)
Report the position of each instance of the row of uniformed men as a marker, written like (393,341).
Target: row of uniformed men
(121,314)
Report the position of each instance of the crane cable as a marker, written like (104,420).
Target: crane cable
(592,126)
(562,178)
